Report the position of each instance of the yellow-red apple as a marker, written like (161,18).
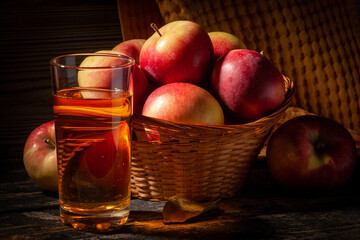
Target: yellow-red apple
(248,84)
(311,153)
(139,86)
(96,76)
(40,157)
(180,51)
(223,42)
(183,103)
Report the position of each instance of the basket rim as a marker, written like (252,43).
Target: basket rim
(288,97)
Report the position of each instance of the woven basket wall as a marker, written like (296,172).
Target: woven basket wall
(200,162)
(315,43)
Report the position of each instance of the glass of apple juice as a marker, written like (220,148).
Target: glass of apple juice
(92,109)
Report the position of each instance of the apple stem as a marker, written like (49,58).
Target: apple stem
(153,26)
(319,146)
(51,143)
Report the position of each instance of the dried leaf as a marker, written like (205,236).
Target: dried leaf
(179,209)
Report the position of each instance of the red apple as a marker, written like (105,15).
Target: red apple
(130,48)
(106,163)
(182,53)
(40,157)
(311,153)
(139,86)
(223,42)
(184,103)
(248,84)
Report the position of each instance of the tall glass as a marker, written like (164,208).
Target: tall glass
(92,109)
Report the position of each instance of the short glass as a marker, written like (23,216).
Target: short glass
(92,110)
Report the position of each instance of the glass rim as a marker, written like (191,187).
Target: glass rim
(128,63)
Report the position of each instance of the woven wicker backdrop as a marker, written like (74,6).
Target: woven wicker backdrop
(315,43)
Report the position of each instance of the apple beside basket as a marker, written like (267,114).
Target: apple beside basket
(200,162)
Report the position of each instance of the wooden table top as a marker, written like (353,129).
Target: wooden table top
(35,31)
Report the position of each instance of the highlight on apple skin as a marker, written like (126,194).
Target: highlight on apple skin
(311,153)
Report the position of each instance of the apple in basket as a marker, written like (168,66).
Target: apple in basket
(248,84)
(105,163)
(183,103)
(180,51)
(139,86)
(223,42)
(40,156)
(311,153)
(130,48)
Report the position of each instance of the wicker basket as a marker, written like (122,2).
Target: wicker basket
(201,162)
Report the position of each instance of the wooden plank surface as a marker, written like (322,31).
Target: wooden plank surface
(261,210)
(32,32)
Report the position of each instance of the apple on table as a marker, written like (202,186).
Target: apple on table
(311,153)
(180,51)
(248,84)
(40,156)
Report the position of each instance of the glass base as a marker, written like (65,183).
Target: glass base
(95,223)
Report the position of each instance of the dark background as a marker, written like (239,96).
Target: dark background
(31,33)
